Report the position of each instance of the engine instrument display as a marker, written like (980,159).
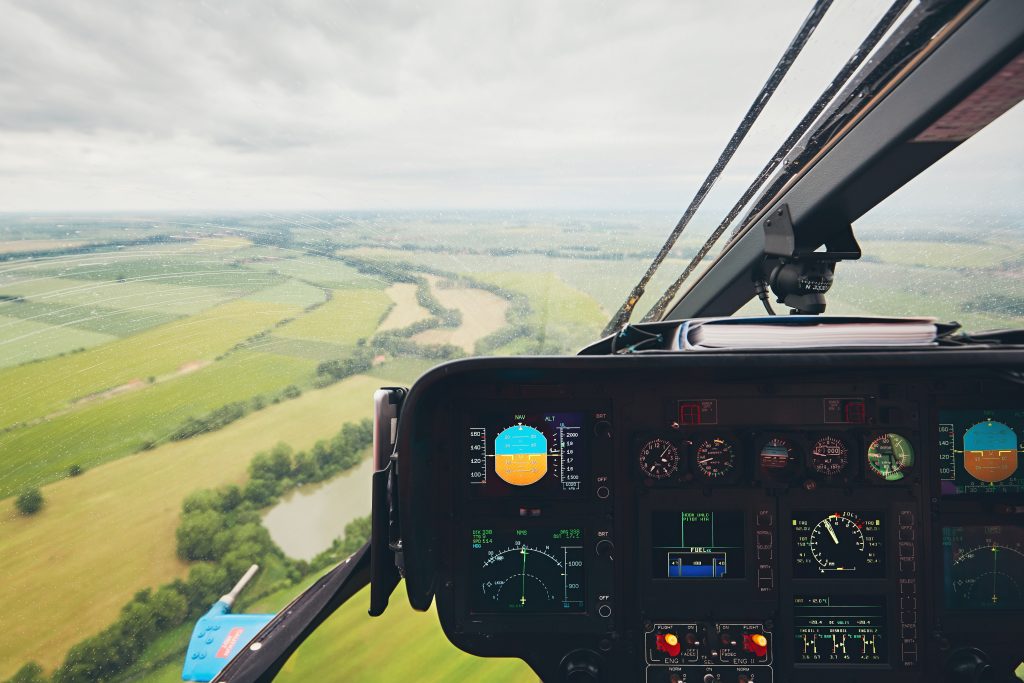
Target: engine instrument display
(838,545)
(694,544)
(535,570)
(829,455)
(890,456)
(715,457)
(979,451)
(839,630)
(983,567)
(542,452)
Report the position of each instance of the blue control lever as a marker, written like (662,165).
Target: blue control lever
(219,634)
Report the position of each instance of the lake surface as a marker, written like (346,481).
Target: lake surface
(307,520)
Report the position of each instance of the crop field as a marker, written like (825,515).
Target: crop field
(136,501)
(351,314)
(321,271)
(38,389)
(483,313)
(406,310)
(109,428)
(23,340)
(177,327)
(560,312)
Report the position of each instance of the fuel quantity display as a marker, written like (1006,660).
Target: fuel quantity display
(697,544)
(539,452)
(979,451)
(530,570)
(983,567)
(839,545)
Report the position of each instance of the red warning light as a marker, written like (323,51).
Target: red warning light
(855,412)
(668,643)
(689,413)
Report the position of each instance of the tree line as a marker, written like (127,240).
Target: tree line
(221,532)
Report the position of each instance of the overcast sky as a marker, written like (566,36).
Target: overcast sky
(333,105)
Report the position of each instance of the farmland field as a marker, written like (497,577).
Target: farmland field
(136,501)
(103,355)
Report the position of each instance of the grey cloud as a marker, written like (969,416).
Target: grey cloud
(125,104)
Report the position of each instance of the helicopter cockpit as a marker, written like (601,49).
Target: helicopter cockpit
(692,500)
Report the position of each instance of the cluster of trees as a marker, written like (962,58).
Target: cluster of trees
(221,531)
(226,414)
(30,501)
(360,360)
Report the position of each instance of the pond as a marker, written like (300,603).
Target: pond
(309,518)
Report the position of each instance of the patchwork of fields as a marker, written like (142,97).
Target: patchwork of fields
(103,356)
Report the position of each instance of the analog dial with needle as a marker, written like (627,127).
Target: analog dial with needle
(659,458)
(837,543)
(716,458)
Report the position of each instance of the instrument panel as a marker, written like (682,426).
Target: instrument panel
(742,523)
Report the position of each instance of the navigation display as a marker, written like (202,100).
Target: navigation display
(539,452)
(537,570)
(979,451)
(694,544)
(839,545)
(983,567)
(839,630)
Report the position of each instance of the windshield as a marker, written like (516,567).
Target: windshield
(225,226)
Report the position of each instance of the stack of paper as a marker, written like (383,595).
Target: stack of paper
(803,332)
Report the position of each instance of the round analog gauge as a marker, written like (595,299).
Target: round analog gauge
(659,458)
(716,458)
(777,457)
(837,542)
(829,456)
(890,456)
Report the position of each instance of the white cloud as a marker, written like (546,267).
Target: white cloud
(346,105)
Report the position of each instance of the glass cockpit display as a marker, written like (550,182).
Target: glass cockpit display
(542,452)
(694,544)
(838,545)
(983,567)
(535,570)
(979,451)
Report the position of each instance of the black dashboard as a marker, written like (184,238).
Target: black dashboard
(723,517)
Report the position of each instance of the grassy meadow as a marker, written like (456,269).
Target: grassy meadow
(106,349)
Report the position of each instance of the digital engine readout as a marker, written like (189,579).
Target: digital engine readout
(839,630)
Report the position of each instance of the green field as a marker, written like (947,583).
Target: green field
(350,315)
(176,329)
(108,429)
(110,531)
(26,340)
(38,389)
(564,317)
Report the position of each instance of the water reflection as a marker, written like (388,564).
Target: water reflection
(309,518)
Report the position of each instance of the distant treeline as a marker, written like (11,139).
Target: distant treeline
(92,247)
(222,532)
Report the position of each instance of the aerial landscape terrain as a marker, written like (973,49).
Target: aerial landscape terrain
(182,393)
